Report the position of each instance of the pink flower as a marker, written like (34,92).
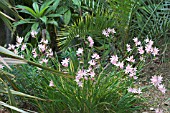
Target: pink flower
(136,41)
(140,50)
(134,90)
(1,66)
(19,39)
(156,80)
(109,30)
(92,62)
(92,74)
(139,91)
(11,47)
(162,88)
(104,32)
(49,53)
(41,47)
(90,41)
(65,62)
(80,84)
(150,43)
(79,51)
(34,53)
(89,38)
(114,59)
(44,60)
(17,44)
(89,69)
(78,77)
(81,73)
(95,56)
(23,47)
(148,48)
(113,31)
(128,48)
(51,83)
(130,59)
(158,110)
(120,64)
(34,33)
(44,41)
(130,90)
(155,51)
(128,69)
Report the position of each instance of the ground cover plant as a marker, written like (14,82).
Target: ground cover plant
(85,56)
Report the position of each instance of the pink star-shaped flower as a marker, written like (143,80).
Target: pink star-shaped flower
(65,62)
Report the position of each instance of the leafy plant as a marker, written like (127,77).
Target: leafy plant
(42,16)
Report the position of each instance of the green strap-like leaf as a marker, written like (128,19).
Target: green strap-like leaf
(12,107)
(21,94)
(28,10)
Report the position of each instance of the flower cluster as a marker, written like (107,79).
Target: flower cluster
(19,45)
(134,90)
(84,74)
(44,52)
(127,65)
(156,81)
(108,31)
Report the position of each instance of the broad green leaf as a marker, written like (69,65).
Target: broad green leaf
(43,11)
(35,26)
(46,4)
(29,10)
(77,2)
(36,8)
(53,22)
(44,19)
(25,21)
(54,15)
(67,17)
(53,7)
(62,10)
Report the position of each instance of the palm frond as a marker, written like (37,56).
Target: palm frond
(88,26)
(151,17)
